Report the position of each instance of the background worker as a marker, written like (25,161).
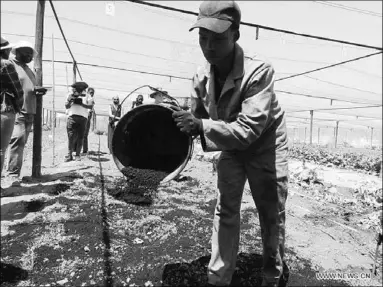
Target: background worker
(11,99)
(234,109)
(138,102)
(89,101)
(22,54)
(114,117)
(77,112)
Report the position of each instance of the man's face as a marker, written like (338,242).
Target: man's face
(24,55)
(116,101)
(5,53)
(216,47)
(140,99)
(91,93)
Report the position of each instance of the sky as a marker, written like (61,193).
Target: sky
(148,39)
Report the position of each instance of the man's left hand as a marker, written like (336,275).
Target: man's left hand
(187,122)
(40,91)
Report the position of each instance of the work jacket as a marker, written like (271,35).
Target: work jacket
(247,117)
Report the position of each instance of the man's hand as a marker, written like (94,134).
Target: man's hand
(187,122)
(40,91)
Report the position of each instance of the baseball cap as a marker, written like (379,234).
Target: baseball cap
(218,16)
(5,44)
(79,85)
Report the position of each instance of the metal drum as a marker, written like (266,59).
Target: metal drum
(147,138)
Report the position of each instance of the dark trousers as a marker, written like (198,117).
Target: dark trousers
(21,131)
(76,129)
(87,128)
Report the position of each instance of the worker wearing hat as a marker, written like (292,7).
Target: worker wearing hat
(11,99)
(234,109)
(77,111)
(22,54)
(114,117)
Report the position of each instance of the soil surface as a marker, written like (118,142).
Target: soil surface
(78,226)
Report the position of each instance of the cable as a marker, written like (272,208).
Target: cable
(344,7)
(319,97)
(109,48)
(330,66)
(62,33)
(193,63)
(259,26)
(121,69)
(343,86)
(341,108)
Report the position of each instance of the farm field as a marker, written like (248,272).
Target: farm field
(71,227)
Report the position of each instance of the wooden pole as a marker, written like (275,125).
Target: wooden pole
(318,135)
(372,133)
(37,127)
(311,126)
(66,73)
(53,99)
(305,135)
(336,133)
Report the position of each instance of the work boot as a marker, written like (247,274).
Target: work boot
(69,157)
(77,158)
(16,182)
(282,282)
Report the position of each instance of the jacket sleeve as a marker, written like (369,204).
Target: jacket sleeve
(196,103)
(251,120)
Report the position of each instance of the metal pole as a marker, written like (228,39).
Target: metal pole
(66,72)
(336,132)
(305,135)
(53,99)
(372,132)
(311,126)
(74,72)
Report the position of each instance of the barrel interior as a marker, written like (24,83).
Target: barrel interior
(148,138)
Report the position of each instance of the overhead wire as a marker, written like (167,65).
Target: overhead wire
(344,7)
(343,86)
(327,67)
(320,97)
(62,33)
(193,63)
(259,26)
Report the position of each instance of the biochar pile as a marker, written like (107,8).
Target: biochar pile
(139,185)
(150,146)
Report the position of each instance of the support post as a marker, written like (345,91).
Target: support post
(336,133)
(311,126)
(318,135)
(74,72)
(305,135)
(372,133)
(37,127)
(53,100)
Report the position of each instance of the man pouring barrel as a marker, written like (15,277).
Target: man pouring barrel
(234,109)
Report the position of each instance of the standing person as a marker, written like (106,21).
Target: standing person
(23,54)
(77,118)
(234,109)
(138,102)
(89,101)
(11,98)
(114,117)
